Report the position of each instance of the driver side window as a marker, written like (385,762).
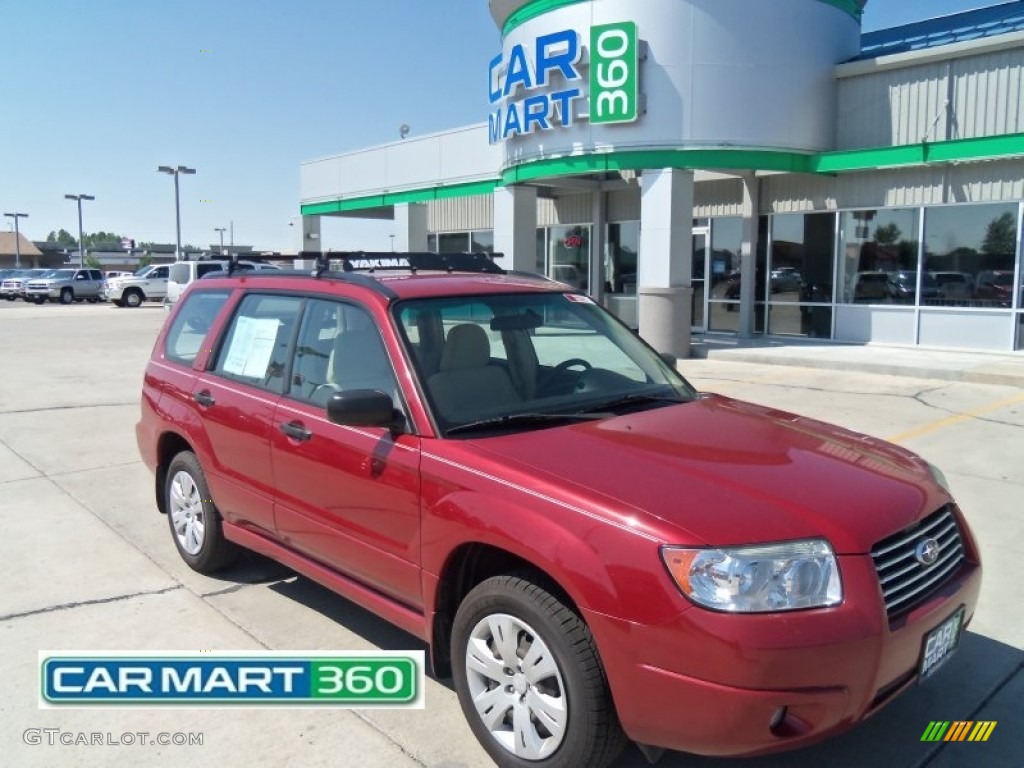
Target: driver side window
(339,349)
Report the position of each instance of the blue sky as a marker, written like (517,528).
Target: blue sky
(96,95)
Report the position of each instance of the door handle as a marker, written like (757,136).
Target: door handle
(204,398)
(296,431)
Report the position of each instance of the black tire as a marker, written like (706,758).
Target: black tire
(117,302)
(92,301)
(66,296)
(592,735)
(133,298)
(214,551)
(40,299)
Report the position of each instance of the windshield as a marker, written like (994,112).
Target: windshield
(60,274)
(521,361)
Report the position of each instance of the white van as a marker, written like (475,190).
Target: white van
(184,272)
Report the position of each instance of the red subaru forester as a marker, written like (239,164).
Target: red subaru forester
(595,551)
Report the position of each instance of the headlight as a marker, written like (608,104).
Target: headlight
(772,577)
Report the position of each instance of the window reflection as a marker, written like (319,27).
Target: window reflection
(801,274)
(569,260)
(621,257)
(878,256)
(969,255)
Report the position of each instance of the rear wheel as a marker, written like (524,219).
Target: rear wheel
(132,298)
(66,296)
(193,518)
(40,299)
(529,678)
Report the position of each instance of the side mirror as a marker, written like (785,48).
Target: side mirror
(669,359)
(363,408)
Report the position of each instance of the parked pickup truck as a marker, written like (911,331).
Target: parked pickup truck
(147,284)
(66,285)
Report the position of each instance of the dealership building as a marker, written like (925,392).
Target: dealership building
(731,166)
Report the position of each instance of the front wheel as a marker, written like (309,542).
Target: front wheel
(66,296)
(132,298)
(193,518)
(530,680)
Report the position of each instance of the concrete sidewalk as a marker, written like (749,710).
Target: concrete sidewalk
(1005,369)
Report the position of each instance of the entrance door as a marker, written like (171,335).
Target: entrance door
(698,280)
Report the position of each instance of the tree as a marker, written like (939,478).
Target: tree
(1001,236)
(887,234)
(62,238)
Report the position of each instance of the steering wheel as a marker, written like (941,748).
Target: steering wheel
(565,365)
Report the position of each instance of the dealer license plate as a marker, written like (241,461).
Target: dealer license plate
(940,643)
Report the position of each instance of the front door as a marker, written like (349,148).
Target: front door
(347,496)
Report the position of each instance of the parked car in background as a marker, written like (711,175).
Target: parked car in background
(591,548)
(148,283)
(13,286)
(66,286)
(903,286)
(870,287)
(786,279)
(182,273)
(111,274)
(995,285)
(953,285)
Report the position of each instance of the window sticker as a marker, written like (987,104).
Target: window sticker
(251,346)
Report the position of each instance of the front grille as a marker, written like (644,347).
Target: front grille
(905,581)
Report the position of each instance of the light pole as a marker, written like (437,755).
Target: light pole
(81,242)
(175,172)
(222,230)
(17,237)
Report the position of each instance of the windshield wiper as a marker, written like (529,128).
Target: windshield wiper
(633,398)
(514,420)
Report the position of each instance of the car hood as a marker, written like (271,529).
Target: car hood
(720,472)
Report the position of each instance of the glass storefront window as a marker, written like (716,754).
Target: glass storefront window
(482,241)
(569,260)
(970,252)
(878,256)
(453,242)
(542,249)
(432,243)
(620,257)
(801,274)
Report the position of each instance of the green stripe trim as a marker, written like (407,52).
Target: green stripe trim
(439,192)
(716,158)
(535,8)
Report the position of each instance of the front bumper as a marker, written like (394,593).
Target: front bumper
(741,685)
(47,293)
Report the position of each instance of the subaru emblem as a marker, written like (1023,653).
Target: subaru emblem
(927,552)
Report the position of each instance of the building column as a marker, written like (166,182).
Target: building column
(748,256)
(309,235)
(665,260)
(411,227)
(515,227)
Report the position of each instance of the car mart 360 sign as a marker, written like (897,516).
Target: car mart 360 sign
(537,90)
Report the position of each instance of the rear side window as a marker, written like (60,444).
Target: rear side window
(256,346)
(185,338)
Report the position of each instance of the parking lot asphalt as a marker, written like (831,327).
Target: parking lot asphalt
(88,564)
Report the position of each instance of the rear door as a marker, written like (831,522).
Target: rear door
(236,399)
(347,496)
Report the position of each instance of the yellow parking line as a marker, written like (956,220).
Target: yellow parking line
(956,419)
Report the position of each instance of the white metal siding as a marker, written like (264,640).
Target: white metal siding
(460,214)
(718,198)
(989,94)
(901,106)
(893,107)
(568,209)
(624,205)
(795,193)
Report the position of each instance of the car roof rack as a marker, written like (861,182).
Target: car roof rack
(413,261)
